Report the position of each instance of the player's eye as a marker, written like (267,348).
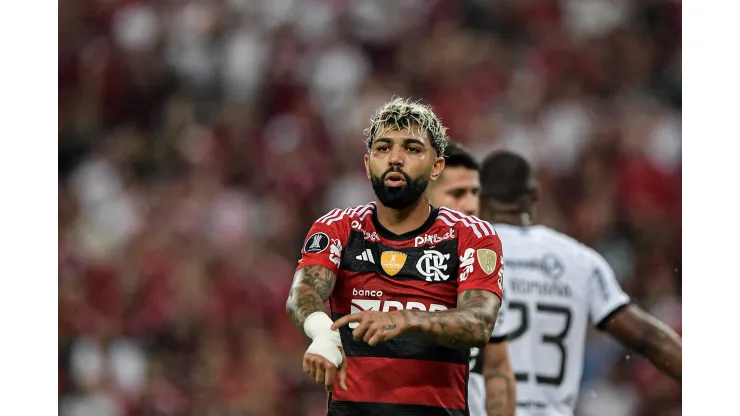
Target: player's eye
(383,148)
(413,149)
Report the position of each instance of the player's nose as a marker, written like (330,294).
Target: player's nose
(396,156)
(470,204)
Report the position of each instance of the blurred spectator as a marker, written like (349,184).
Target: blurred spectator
(198,140)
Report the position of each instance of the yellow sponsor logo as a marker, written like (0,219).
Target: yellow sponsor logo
(392,262)
(487,260)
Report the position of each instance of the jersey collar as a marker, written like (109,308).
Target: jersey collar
(389,235)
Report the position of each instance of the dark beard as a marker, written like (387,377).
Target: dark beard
(401,197)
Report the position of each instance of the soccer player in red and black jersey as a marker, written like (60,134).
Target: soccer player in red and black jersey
(411,287)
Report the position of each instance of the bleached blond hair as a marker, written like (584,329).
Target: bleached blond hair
(404,114)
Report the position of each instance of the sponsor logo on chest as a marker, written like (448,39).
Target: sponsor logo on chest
(369,236)
(433,239)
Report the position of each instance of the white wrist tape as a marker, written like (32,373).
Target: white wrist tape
(325,341)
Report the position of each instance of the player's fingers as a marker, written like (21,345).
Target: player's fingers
(343,374)
(312,368)
(353,317)
(320,374)
(376,339)
(359,332)
(331,374)
(306,365)
(371,331)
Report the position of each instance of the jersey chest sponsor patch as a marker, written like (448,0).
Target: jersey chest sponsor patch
(437,263)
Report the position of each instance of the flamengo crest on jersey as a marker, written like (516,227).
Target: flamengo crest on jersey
(433,265)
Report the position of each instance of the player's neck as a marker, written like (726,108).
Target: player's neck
(400,221)
(519,219)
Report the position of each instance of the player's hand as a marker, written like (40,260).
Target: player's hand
(325,372)
(375,327)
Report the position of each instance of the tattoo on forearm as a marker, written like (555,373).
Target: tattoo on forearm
(499,394)
(312,286)
(468,325)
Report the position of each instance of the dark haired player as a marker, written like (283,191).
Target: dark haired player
(491,387)
(411,287)
(556,288)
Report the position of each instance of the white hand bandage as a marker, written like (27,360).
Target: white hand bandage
(325,341)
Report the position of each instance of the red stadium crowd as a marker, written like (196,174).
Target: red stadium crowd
(198,140)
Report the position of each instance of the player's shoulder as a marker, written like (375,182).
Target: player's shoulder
(568,244)
(338,216)
(465,225)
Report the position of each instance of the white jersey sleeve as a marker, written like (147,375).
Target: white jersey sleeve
(605,296)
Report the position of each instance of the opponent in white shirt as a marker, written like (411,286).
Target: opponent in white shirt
(490,371)
(555,288)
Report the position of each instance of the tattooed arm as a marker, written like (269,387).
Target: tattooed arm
(468,325)
(324,359)
(500,381)
(312,286)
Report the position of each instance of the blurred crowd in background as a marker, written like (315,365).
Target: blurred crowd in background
(199,139)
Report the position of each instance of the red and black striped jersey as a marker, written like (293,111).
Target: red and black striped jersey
(425,270)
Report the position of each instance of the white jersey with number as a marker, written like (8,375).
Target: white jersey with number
(555,288)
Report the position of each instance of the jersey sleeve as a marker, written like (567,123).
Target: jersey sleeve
(324,244)
(481,264)
(605,296)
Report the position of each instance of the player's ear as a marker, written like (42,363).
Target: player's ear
(367,165)
(437,168)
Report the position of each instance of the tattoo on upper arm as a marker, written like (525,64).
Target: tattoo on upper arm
(318,277)
(476,298)
(312,286)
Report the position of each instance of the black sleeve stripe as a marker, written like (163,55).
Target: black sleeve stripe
(602,324)
(498,339)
